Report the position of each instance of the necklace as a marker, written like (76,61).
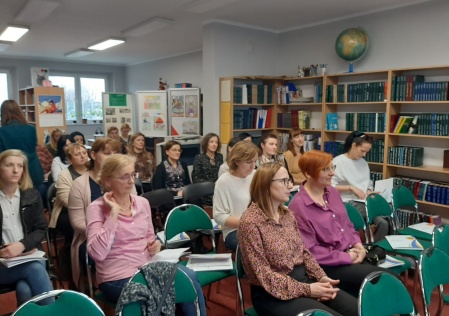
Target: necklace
(127,208)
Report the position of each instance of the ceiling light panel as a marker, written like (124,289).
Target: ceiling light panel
(147,26)
(36,10)
(111,42)
(79,53)
(13,33)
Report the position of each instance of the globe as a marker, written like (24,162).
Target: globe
(351,44)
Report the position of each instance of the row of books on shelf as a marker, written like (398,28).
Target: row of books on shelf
(332,121)
(334,148)
(375,175)
(368,122)
(406,218)
(294,119)
(291,94)
(253,94)
(252,118)
(376,154)
(414,88)
(357,92)
(406,156)
(425,190)
(434,124)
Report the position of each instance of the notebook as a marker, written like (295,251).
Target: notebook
(404,242)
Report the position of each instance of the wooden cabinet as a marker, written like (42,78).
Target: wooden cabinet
(44,108)
(366,101)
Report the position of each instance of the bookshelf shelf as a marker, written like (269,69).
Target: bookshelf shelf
(425,168)
(418,136)
(425,203)
(253,105)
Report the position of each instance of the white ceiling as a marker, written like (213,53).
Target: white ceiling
(76,24)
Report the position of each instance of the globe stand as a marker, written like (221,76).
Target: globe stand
(351,67)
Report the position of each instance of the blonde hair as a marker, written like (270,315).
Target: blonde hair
(72,149)
(111,165)
(242,151)
(25,182)
(125,126)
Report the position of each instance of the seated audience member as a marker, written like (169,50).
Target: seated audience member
(60,162)
(325,226)
(120,234)
(206,164)
(46,159)
(125,137)
(22,226)
(245,136)
(86,189)
(144,159)
(352,177)
(285,278)
(77,137)
(77,156)
(113,134)
(172,174)
(224,166)
(268,144)
(231,196)
(295,147)
(52,146)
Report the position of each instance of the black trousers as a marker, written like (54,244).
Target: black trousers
(267,305)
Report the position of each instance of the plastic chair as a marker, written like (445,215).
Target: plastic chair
(240,273)
(184,291)
(375,206)
(68,303)
(440,237)
(382,293)
(160,200)
(314,312)
(433,274)
(188,217)
(403,197)
(195,192)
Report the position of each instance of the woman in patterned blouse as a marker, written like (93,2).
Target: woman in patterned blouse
(285,278)
(172,174)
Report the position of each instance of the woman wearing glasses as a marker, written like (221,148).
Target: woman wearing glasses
(172,174)
(231,196)
(352,178)
(120,234)
(295,147)
(285,278)
(325,226)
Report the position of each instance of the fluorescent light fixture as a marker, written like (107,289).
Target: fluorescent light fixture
(36,10)
(79,53)
(4,46)
(147,26)
(13,33)
(110,42)
(202,6)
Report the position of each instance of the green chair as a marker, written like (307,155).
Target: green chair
(358,222)
(403,197)
(375,206)
(440,237)
(433,274)
(314,312)
(67,303)
(289,200)
(240,272)
(383,294)
(189,217)
(184,291)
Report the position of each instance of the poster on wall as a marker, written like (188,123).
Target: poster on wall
(184,111)
(117,110)
(50,110)
(152,113)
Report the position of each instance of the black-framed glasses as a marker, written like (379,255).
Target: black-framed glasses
(285,181)
(127,177)
(328,169)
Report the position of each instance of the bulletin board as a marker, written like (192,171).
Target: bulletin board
(152,119)
(117,110)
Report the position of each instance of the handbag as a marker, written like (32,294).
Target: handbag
(375,255)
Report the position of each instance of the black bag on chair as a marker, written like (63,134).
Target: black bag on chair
(375,255)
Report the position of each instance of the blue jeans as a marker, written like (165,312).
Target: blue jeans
(113,289)
(232,241)
(31,278)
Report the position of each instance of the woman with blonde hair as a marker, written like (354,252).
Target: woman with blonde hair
(84,190)
(295,150)
(52,146)
(22,227)
(231,196)
(125,136)
(285,278)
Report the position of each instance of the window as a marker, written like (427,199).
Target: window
(3,86)
(83,96)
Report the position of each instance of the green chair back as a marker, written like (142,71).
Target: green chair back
(289,200)
(383,293)
(355,217)
(240,273)
(432,273)
(403,197)
(184,291)
(314,312)
(376,205)
(440,237)
(187,217)
(68,303)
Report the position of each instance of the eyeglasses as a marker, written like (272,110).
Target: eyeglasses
(285,181)
(328,169)
(127,177)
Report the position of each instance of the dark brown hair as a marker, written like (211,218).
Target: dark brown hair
(11,111)
(205,142)
(292,134)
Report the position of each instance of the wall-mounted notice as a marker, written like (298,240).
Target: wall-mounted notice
(152,113)
(118,110)
(184,111)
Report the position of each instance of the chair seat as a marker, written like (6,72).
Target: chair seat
(100,296)
(251,312)
(208,277)
(399,269)
(416,233)
(409,253)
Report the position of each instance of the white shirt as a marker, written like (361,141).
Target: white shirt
(12,229)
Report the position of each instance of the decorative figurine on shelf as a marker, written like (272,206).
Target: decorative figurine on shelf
(306,71)
(300,72)
(162,84)
(323,69)
(313,69)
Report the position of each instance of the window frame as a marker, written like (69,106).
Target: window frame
(8,84)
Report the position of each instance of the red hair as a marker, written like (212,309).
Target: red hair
(312,162)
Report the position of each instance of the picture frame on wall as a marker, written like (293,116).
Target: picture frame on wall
(152,119)
(184,111)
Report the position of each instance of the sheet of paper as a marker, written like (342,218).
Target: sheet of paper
(424,227)
(391,262)
(169,255)
(11,262)
(385,188)
(210,262)
(405,242)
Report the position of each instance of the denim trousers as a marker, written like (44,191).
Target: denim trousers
(232,241)
(113,289)
(31,278)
